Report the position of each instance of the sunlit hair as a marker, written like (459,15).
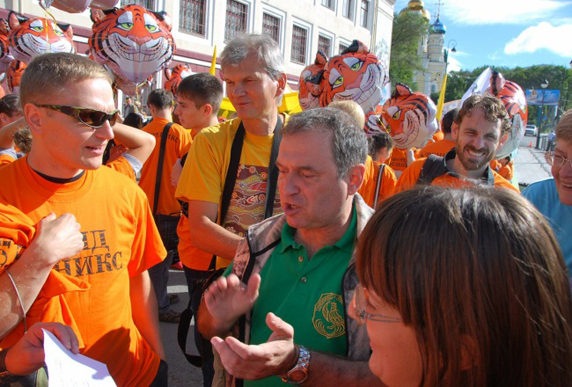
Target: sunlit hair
(564,127)
(492,107)
(23,140)
(352,108)
(160,99)
(10,105)
(202,89)
(261,47)
(349,143)
(49,75)
(478,266)
(379,141)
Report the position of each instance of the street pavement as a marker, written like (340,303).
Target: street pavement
(181,373)
(529,163)
(530,166)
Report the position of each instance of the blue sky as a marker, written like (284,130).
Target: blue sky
(505,32)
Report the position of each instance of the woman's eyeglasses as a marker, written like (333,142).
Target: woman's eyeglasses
(557,160)
(91,117)
(360,304)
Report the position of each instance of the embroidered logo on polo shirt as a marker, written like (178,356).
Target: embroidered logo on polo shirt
(328,318)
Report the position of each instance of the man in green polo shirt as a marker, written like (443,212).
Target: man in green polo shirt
(285,297)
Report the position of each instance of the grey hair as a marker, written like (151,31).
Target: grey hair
(264,48)
(349,142)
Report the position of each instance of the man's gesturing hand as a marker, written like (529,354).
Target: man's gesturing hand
(275,357)
(57,238)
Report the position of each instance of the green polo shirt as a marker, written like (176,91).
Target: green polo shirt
(307,294)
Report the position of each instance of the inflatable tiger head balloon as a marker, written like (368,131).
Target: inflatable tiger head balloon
(29,38)
(174,76)
(77,6)
(514,100)
(310,84)
(5,57)
(132,41)
(410,117)
(355,75)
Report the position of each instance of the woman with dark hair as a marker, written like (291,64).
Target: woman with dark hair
(464,288)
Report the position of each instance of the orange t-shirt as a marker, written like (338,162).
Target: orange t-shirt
(121,165)
(507,171)
(191,256)
(438,136)
(398,160)
(388,182)
(177,144)
(409,178)
(6,159)
(439,148)
(121,241)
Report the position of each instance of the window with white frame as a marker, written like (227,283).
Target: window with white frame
(348,9)
(299,44)
(328,3)
(193,16)
(236,19)
(342,47)
(325,44)
(364,13)
(149,4)
(271,26)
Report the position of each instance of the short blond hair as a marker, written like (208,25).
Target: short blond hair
(352,108)
(49,75)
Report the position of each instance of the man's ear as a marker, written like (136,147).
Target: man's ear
(281,84)
(455,131)
(502,141)
(34,117)
(355,177)
(4,119)
(207,110)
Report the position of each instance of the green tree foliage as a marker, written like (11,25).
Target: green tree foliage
(408,28)
(558,77)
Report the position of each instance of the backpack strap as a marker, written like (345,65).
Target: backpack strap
(378,185)
(433,167)
(160,166)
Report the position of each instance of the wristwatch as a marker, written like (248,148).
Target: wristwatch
(5,375)
(299,373)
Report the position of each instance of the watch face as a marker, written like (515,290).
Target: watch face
(297,375)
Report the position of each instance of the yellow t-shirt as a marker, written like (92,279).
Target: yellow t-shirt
(205,172)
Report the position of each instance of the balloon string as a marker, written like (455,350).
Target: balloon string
(47,14)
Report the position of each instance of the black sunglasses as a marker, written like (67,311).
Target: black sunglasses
(90,117)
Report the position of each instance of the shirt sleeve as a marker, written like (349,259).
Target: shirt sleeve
(409,177)
(147,249)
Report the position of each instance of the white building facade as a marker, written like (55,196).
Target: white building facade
(299,27)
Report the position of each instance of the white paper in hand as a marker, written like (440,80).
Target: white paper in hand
(68,369)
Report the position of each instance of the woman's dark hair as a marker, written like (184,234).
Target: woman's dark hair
(134,120)
(10,105)
(478,271)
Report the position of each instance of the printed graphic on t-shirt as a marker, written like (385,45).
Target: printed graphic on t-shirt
(248,199)
(328,316)
(95,258)
(9,251)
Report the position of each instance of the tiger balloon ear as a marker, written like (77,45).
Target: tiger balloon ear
(15,19)
(168,73)
(164,17)
(67,29)
(96,15)
(400,90)
(4,28)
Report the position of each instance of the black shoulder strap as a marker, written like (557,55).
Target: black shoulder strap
(273,170)
(432,168)
(378,185)
(160,166)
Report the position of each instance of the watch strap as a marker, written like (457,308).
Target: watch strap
(299,373)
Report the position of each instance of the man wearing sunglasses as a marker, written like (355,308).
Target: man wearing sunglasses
(553,196)
(68,104)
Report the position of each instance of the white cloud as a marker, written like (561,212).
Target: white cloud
(483,12)
(542,36)
(454,65)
